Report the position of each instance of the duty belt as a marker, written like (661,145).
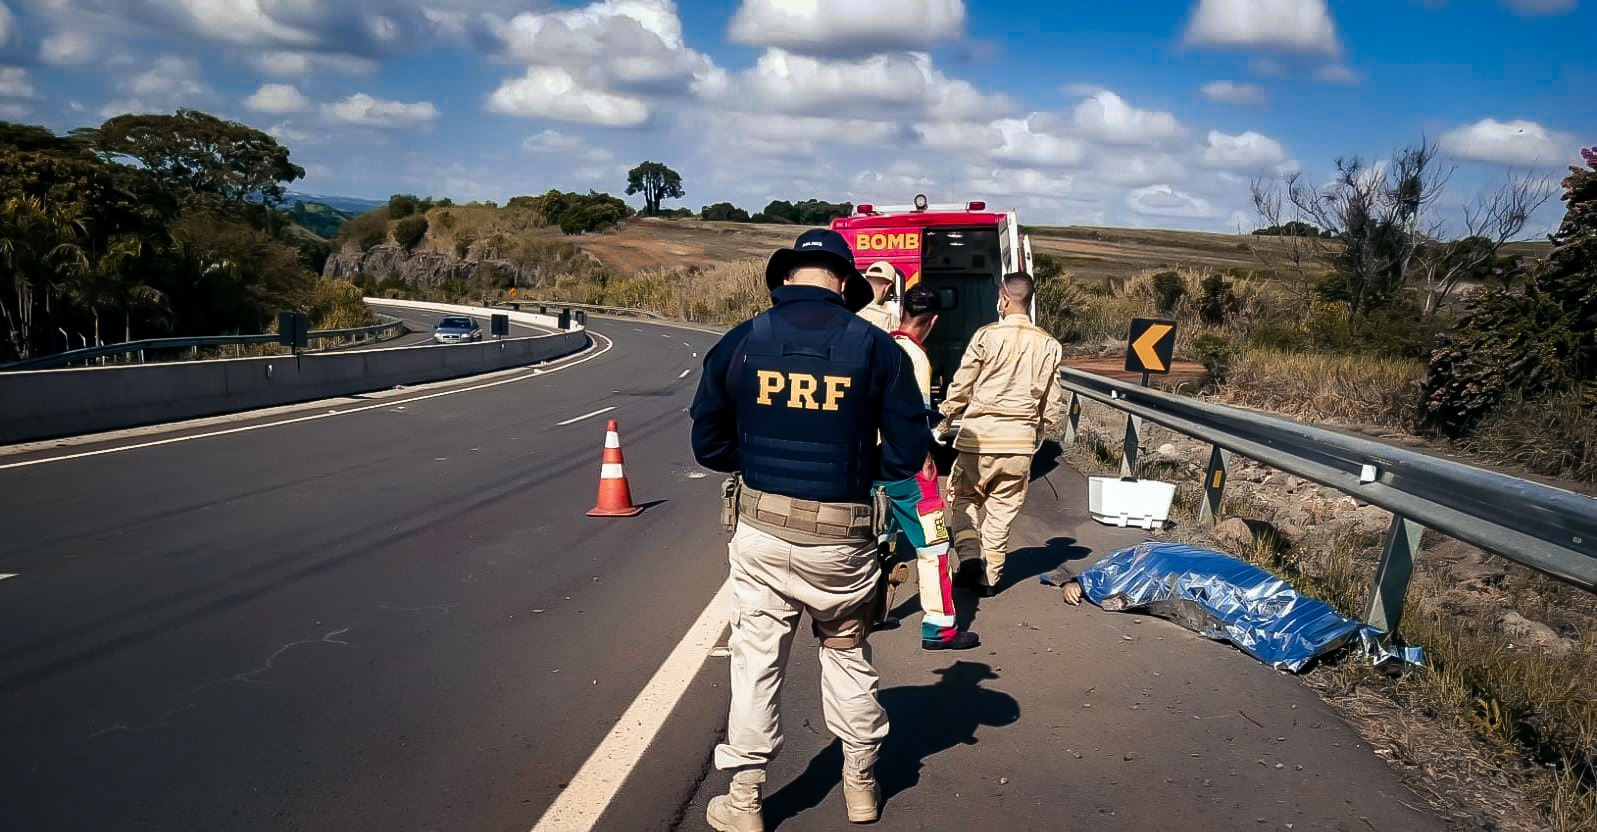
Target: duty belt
(806,521)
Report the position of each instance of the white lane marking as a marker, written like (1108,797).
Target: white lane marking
(5,575)
(585,416)
(580,804)
(685,373)
(608,345)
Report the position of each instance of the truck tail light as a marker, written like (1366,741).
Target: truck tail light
(864,208)
(976,206)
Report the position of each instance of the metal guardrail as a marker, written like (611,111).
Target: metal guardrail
(1548,529)
(64,358)
(620,310)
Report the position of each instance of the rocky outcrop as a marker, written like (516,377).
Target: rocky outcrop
(419,268)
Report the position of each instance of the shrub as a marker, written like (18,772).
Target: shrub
(410,230)
(1280,338)
(1168,287)
(1216,352)
(1555,435)
(463,243)
(1218,302)
(401,206)
(367,230)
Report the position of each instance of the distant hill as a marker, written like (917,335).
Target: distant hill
(349,206)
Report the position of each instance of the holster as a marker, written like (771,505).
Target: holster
(729,502)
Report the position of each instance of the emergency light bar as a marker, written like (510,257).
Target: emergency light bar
(867,208)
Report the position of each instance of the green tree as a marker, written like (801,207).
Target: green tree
(656,182)
(196,152)
(1533,341)
(724,212)
(401,206)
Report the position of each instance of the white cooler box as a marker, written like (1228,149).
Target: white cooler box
(1141,503)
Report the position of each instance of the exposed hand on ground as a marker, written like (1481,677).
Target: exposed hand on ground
(1071,593)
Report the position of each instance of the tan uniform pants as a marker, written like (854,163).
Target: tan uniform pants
(987,491)
(773,583)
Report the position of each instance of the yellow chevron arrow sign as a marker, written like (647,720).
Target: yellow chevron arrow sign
(1153,345)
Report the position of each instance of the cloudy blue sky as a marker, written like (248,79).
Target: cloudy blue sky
(1147,113)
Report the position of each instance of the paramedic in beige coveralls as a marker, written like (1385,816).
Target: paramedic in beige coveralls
(1006,397)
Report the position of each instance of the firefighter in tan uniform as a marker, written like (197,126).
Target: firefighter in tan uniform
(1006,396)
(879,311)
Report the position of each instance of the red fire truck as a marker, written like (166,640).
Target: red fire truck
(961,251)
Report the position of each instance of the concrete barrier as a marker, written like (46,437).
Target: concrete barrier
(42,404)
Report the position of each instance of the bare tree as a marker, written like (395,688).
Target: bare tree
(1374,214)
(1297,255)
(1492,220)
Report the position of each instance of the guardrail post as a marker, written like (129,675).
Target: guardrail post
(1392,576)
(1073,421)
(1130,446)
(1214,482)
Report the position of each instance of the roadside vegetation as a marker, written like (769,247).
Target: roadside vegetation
(152,226)
(1498,726)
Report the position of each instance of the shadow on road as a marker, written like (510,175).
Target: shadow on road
(1046,459)
(925,721)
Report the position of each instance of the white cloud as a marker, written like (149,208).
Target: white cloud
(277,98)
(1109,118)
(1014,182)
(906,85)
(367,28)
(15,110)
(551,92)
(14,83)
(1231,92)
(602,64)
(900,177)
(847,28)
(68,48)
(1166,201)
(1336,74)
(287,63)
(285,131)
(362,110)
(1248,151)
(1509,142)
(8,25)
(170,82)
(574,147)
(1295,25)
(1533,8)
(625,46)
(1027,140)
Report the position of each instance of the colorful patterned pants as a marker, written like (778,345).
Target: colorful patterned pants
(918,513)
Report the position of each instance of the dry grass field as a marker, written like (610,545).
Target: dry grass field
(1090,254)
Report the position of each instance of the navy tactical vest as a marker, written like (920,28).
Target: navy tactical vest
(807,430)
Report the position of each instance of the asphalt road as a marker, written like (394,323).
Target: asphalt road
(399,618)
(421,326)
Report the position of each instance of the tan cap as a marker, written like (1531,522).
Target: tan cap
(881,270)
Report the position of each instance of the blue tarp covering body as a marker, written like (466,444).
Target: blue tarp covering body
(1223,598)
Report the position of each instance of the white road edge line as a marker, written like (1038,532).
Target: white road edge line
(589,793)
(536,373)
(585,416)
(4,575)
(685,373)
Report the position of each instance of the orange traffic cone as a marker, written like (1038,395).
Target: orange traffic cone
(615,498)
